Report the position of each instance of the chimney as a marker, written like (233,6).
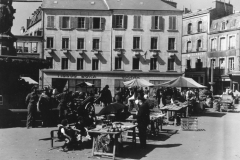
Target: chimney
(223,8)
(170,2)
(28,22)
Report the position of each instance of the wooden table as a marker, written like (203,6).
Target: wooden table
(98,131)
(156,121)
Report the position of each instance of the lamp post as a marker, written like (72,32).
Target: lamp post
(212,83)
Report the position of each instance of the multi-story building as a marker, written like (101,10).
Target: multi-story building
(223,52)
(196,27)
(106,42)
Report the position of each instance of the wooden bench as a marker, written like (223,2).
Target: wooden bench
(55,137)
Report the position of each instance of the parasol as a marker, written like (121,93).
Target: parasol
(181,82)
(112,109)
(138,83)
(85,84)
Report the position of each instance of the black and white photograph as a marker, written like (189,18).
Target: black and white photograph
(119,79)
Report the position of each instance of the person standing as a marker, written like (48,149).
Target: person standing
(106,96)
(31,100)
(143,120)
(45,102)
(62,106)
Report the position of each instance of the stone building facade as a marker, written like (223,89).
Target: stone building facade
(196,28)
(107,42)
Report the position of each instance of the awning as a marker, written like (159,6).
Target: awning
(85,84)
(138,83)
(29,80)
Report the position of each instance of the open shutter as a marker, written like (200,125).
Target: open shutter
(103,20)
(153,22)
(161,23)
(139,21)
(87,22)
(135,21)
(125,21)
(170,22)
(90,23)
(114,21)
(48,21)
(52,19)
(60,22)
(174,23)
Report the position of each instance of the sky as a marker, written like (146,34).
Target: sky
(25,9)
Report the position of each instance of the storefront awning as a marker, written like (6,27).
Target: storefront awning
(29,80)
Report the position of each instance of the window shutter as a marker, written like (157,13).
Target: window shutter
(114,21)
(103,20)
(52,21)
(90,23)
(87,22)
(135,18)
(48,21)
(174,23)
(139,21)
(153,22)
(73,22)
(161,23)
(60,22)
(125,21)
(170,22)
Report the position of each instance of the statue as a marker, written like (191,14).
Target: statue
(6,22)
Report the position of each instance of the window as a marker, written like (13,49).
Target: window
(189,28)
(153,64)
(118,43)
(188,63)
(136,63)
(200,26)
(49,42)
(96,23)
(81,22)
(213,44)
(118,62)
(199,45)
(231,64)
(96,44)
(95,64)
(80,64)
(232,42)
(170,64)
(172,23)
(65,43)
(136,43)
(119,21)
(222,63)
(189,46)
(223,25)
(213,63)
(137,22)
(171,44)
(223,44)
(198,64)
(64,63)
(154,43)
(233,23)
(157,22)
(65,22)
(80,43)
(50,61)
(50,22)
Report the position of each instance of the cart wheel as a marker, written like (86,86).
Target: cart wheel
(90,107)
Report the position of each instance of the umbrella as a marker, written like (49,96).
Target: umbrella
(138,83)
(181,82)
(85,84)
(112,109)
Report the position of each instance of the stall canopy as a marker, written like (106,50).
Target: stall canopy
(181,82)
(29,80)
(138,83)
(85,84)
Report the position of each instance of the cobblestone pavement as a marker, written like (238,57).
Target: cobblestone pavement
(217,139)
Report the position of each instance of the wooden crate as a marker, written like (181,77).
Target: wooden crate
(189,124)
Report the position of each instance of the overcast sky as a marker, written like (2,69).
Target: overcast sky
(24,9)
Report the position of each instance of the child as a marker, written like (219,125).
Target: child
(81,129)
(65,132)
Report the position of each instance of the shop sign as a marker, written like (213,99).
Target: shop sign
(130,77)
(86,76)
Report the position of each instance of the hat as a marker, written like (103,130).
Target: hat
(107,86)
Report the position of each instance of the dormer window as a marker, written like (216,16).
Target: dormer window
(200,26)
(223,25)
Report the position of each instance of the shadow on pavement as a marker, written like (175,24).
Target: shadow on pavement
(129,152)
(210,114)
(163,135)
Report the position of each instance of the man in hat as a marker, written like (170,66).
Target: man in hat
(143,120)
(62,106)
(106,96)
(31,100)
(45,103)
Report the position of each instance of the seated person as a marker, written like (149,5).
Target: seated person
(81,130)
(67,133)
